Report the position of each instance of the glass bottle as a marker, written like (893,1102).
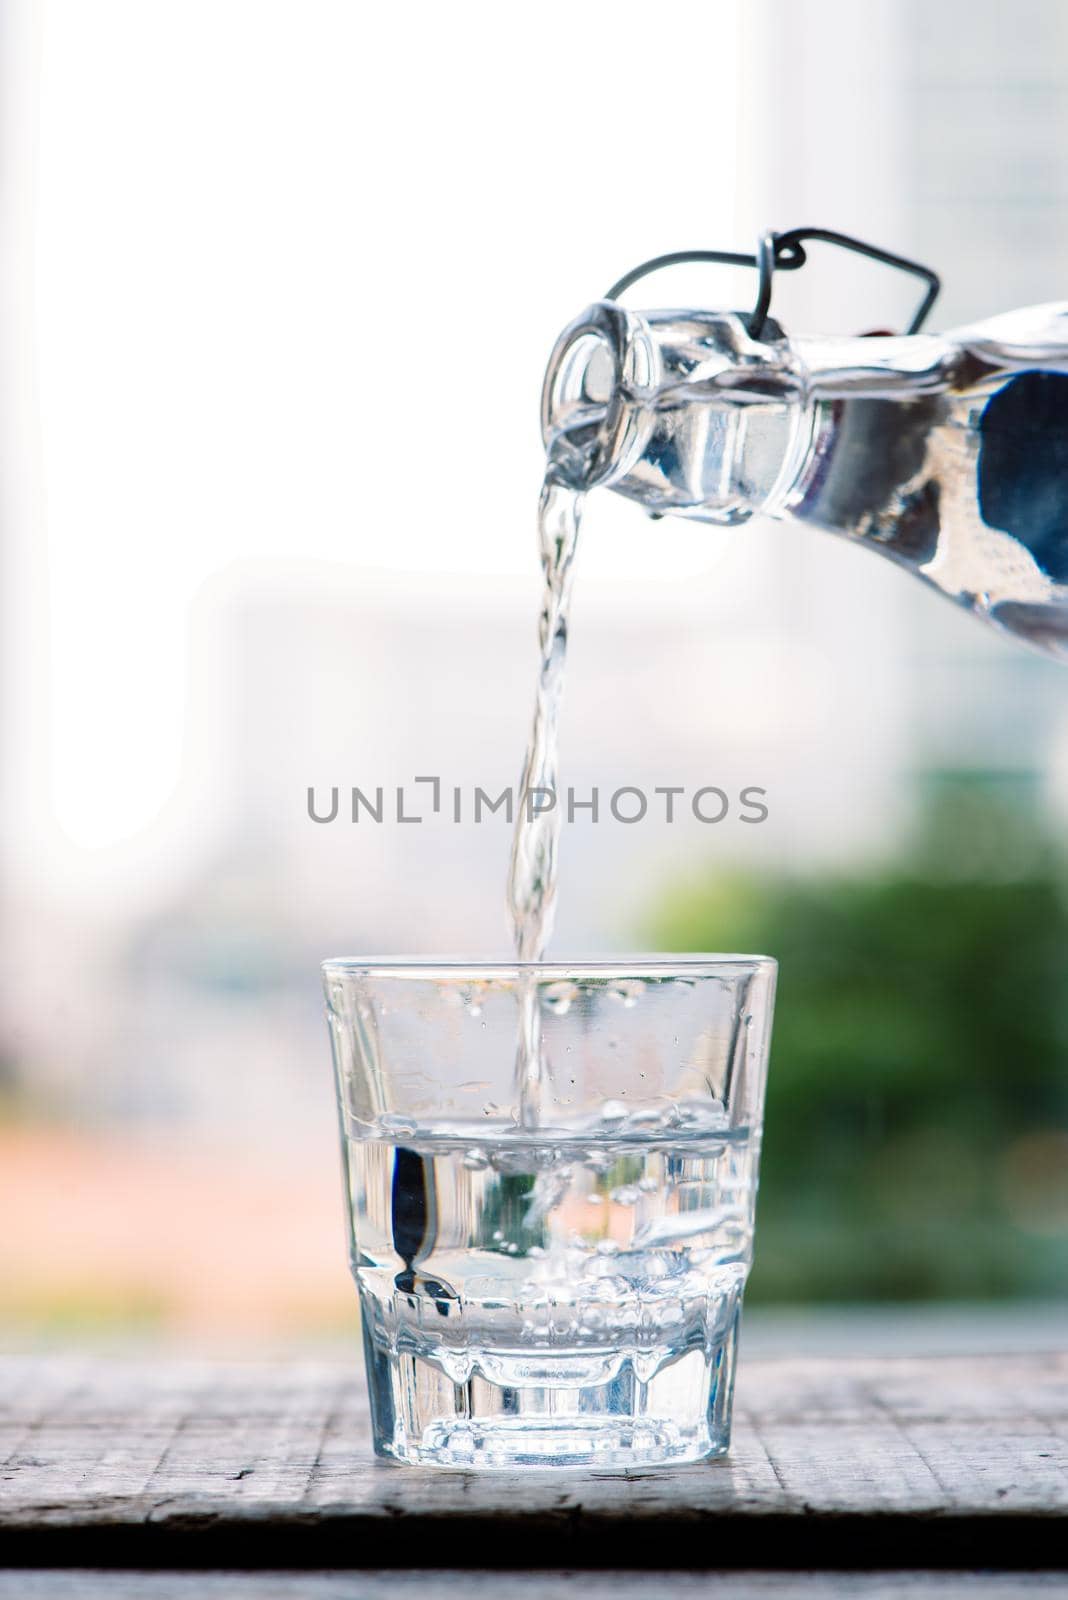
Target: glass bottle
(946,452)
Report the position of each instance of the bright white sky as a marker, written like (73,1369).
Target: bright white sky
(298,268)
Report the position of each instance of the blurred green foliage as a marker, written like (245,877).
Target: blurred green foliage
(916,1138)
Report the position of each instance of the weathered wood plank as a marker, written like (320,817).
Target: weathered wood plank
(433,1585)
(868,1463)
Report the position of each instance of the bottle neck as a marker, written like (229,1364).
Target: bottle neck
(878,366)
(875,408)
(679,410)
(684,413)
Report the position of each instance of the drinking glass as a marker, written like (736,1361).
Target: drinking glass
(550,1171)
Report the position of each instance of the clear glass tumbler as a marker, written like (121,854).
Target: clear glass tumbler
(550,1174)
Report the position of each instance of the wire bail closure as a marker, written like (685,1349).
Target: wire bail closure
(785,252)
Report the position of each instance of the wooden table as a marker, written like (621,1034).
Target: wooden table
(883,1467)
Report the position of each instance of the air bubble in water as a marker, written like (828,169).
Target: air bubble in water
(628,991)
(557,997)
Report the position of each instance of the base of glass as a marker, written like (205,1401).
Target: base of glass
(680,1414)
(614,1445)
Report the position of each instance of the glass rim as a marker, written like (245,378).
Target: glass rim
(656,964)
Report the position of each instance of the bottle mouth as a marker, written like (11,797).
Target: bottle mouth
(595,416)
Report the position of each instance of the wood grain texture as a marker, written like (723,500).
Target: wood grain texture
(863,1463)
